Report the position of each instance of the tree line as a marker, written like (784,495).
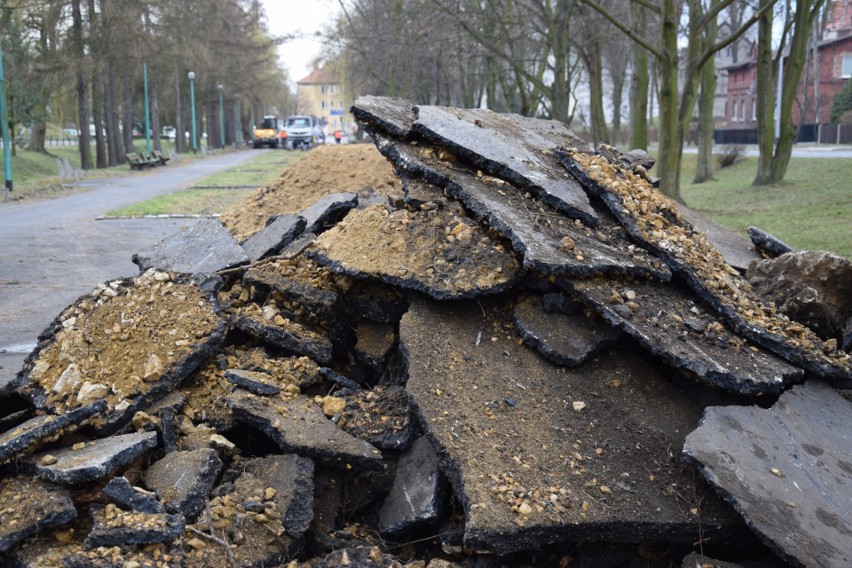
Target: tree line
(533,57)
(80,64)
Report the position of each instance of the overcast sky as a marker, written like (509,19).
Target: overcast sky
(305,16)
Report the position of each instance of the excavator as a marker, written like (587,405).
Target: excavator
(266,134)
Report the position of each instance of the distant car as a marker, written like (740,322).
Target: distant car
(169,132)
(303,131)
(73,132)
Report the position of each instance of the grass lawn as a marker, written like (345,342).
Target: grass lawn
(811,209)
(216,193)
(35,174)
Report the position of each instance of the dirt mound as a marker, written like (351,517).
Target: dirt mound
(322,171)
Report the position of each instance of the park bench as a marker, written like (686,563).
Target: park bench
(139,160)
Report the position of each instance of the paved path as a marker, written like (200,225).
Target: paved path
(53,251)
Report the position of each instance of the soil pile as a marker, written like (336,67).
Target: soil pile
(322,171)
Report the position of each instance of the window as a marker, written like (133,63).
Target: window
(743,116)
(322,104)
(322,89)
(846,67)
(733,111)
(754,110)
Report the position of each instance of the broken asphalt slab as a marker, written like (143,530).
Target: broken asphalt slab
(28,506)
(182,480)
(532,450)
(274,237)
(786,469)
(548,241)
(439,252)
(672,325)
(568,340)
(114,527)
(117,346)
(299,425)
(204,248)
(94,461)
(415,497)
(37,431)
(653,220)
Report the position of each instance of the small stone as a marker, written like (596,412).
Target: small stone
(90,392)
(47,459)
(776,472)
(332,405)
(153,369)
(605,490)
(68,379)
(524,508)
(578,405)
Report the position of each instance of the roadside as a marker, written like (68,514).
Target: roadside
(52,251)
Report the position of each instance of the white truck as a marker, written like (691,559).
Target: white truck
(303,131)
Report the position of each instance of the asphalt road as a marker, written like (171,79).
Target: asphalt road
(53,251)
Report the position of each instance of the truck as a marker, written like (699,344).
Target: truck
(266,134)
(303,131)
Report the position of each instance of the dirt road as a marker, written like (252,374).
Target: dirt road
(53,251)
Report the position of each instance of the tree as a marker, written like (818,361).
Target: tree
(676,105)
(799,19)
(842,102)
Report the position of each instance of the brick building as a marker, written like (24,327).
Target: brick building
(834,65)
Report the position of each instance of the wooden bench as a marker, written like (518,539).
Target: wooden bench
(141,160)
(157,155)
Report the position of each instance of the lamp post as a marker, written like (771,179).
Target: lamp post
(191,76)
(7,149)
(221,116)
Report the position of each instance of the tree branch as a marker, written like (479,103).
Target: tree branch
(624,29)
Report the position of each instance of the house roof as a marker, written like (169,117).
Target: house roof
(318,76)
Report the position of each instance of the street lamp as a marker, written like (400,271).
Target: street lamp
(221,116)
(239,125)
(191,76)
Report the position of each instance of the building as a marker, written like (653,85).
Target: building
(813,103)
(321,94)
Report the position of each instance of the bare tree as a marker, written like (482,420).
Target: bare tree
(772,166)
(676,104)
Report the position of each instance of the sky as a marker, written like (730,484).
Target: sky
(304,16)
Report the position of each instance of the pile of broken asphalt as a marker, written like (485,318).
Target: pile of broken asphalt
(528,357)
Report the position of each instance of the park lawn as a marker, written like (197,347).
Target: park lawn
(34,174)
(810,210)
(189,202)
(218,192)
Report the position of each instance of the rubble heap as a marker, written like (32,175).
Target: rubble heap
(525,357)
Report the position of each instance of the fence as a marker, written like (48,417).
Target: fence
(816,133)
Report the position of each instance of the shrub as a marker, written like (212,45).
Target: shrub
(842,103)
(729,155)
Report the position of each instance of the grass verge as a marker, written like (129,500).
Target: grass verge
(809,210)
(216,193)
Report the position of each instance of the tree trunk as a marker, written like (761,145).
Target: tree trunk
(180,141)
(765,99)
(82,88)
(668,70)
(155,114)
(97,90)
(127,110)
(704,166)
(594,66)
(794,63)
(640,80)
(111,117)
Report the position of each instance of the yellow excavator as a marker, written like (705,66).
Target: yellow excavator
(267,133)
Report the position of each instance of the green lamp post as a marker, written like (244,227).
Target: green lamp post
(7,148)
(191,76)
